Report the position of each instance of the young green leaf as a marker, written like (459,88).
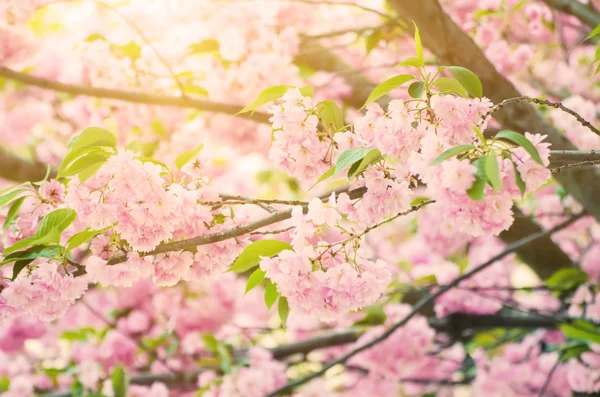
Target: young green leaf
(331,115)
(82,237)
(195,89)
(255,278)
(39,249)
(349,157)
(11,195)
(330,172)
(225,356)
(76,154)
(58,219)
(455,151)
(119,381)
(467,79)
(372,40)
(476,191)
(419,46)
(520,140)
(210,342)
(186,157)
(372,156)
(387,86)
(284,310)
(307,90)
(205,46)
(593,33)
(416,89)
(271,294)
(13,211)
(581,330)
(250,257)
(493,172)
(91,161)
(567,279)
(519,180)
(94,136)
(412,61)
(268,95)
(450,86)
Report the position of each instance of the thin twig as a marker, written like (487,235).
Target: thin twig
(418,306)
(537,101)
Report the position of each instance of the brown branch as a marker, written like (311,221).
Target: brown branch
(422,303)
(537,101)
(130,96)
(579,10)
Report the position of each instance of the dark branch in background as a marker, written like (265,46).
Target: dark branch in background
(556,105)
(579,10)
(453,46)
(16,168)
(129,96)
(453,325)
(417,307)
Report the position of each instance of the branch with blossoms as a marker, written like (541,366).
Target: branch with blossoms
(391,330)
(586,14)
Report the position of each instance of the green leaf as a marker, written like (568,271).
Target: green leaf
(225,356)
(375,315)
(520,140)
(131,50)
(477,189)
(271,294)
(119,381)
(18,266)
(94,37)
(145,159)
(186,157)
(210,342)
(210,46)
(283,308)
(194,89)
(90,162)
(467,79)
(82,237)
(412,61)
(419,46)
(387,86)
(450,86)
(519,180)
(573,351)
(372,156)
(94,136)
(349,157)
(75,154)
(330,115)
(250,257)
(37,251)
(581,330)
(9,196)
(307,90)
(493,172)
(593,33)
(416,89)
(455,151)
(59,219)
(268,95)
(51,237)
(567,279)
(327,174)
(372,40)
(4,384)
(13,211)
(255,278)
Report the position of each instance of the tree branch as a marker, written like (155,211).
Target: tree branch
(579,10)
(129,96)
(422,303)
